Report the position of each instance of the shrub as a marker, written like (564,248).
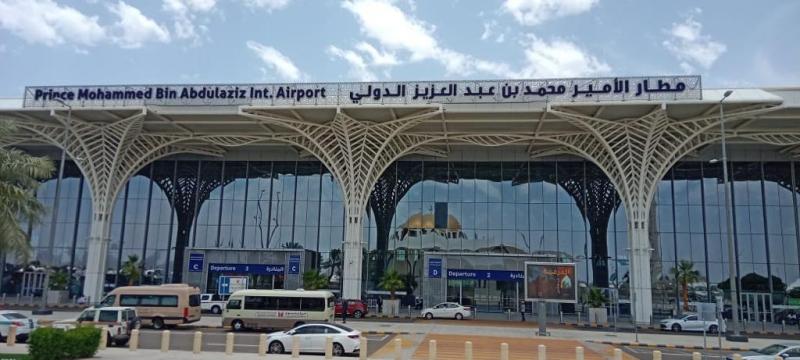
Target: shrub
(82,342)
(56,344)
(47,344)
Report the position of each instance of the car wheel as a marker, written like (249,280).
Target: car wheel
(459,316)
(237,325)
(429,316)
(338,349)
(712,329)
(357,314)
(216,310)
(676,327)
(158,323)
(276,347)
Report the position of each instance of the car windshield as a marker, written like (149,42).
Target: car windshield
(771,350)
(342,327)
(14,316)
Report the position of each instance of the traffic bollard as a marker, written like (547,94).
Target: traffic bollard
(696,356)
(328,347)
(362,351)
(165,341)
(262,345)
(432,350)
(198,342)
(783,326)
(468,350)
(295,347)
(764,325)
(504,351)
(656,355)
(579,353)
(133,344)
(103,338)
(737,357)
(617,354)
(229,344)
(542,352)
(11,339)
(398,349)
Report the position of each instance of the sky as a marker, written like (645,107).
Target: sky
(731,43)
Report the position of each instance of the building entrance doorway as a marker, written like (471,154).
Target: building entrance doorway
(756,306)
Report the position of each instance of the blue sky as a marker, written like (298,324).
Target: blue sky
(731,43)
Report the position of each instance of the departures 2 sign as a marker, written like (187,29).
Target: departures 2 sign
(657,88)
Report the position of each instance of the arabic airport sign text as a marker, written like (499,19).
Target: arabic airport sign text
(658,88)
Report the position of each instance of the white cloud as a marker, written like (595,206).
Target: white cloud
(689,45)
(358,67)
(133,28)
(378,58)
(535,12)
(44,21)
(184,17)
(276,61)
(488,28)
(268,5)
(397,31)
(559,58)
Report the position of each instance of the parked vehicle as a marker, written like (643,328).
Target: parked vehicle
(158,305)
(447,310)
(213,303)
(355,308)
(277,309)
(312,338)
(788,351)
(689,322)
(23,323)
(119,321)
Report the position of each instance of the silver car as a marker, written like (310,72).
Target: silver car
(788,351)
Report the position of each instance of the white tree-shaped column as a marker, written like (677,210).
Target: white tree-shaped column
(108,154)
(636,153)
(356,152)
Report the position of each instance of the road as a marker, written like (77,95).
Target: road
(214,340)
(646,353)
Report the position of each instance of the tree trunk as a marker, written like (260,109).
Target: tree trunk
(685,290)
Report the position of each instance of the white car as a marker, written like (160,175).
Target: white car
(23,323)
(689,322)
(212,303)
(312,339)
(119,321)
(447,310)
(788,351)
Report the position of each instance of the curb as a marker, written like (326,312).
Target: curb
(669,346)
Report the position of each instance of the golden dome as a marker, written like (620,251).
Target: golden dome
(426,221)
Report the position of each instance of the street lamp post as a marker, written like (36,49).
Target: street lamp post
(736,336)
(51,243)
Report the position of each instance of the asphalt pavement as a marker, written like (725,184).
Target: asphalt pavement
(646,353)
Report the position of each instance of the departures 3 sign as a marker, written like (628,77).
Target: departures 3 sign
(658,88)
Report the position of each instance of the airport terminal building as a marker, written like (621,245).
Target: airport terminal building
(455,185)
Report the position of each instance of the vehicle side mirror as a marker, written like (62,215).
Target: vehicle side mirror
(290,332)
(785,355)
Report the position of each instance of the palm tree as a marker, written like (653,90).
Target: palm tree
(130,269)
(685,274)
(391,282)
(19,177)
(313,280)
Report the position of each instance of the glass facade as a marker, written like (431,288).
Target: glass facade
(564,210)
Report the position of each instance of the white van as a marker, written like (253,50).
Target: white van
(277,309)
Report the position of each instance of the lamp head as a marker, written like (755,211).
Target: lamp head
(727,93)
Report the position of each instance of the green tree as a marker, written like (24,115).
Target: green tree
(685,274)
(59,280)
(313,280)
(130,269)
(391,282)
(19,177)
(595,298)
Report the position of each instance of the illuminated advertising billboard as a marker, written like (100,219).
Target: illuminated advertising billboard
(550,282)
